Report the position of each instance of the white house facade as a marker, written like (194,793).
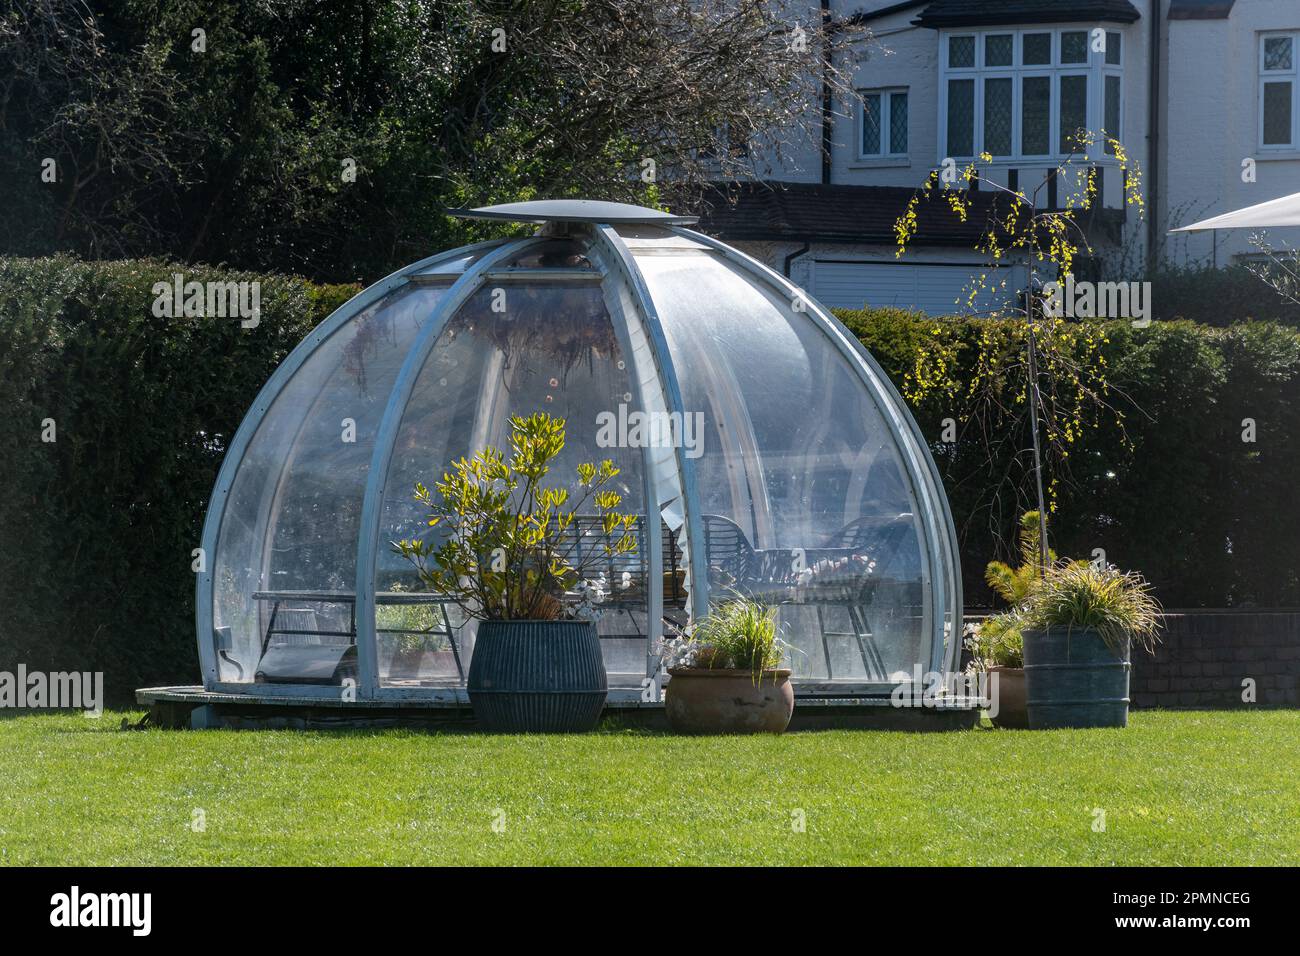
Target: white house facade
(1229,129)
(1191,88)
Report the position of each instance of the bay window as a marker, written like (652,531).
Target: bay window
(1028,93)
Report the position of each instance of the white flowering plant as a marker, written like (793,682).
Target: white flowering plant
(590,594)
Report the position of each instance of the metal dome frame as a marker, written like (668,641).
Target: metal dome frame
(599,222)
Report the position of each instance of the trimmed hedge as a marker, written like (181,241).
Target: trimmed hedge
(97,528)
(1218,297)
(1173,491)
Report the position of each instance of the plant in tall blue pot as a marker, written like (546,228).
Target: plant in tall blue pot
(519,556)
(1079,626)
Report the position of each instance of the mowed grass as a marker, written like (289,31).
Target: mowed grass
(1175,787)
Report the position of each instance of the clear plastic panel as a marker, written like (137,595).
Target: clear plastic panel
(284,572)
(552,254)
(550,347)
(805,497)
(455,266)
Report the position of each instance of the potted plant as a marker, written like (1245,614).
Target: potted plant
(996,642)
(997,648)
(726,676)
(511,552)
(1079,625)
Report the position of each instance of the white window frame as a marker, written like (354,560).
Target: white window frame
(1095,68)
(1275,76)
(886,94)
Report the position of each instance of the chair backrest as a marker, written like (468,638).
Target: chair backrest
(585,540)
(878,537)
(296,627)
(726,548)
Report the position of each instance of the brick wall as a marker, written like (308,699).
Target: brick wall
(1205,655)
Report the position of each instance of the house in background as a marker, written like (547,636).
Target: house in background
(1231,106)
(1190,87)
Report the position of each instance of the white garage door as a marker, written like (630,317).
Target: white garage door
(933,289)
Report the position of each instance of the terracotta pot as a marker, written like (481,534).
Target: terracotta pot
(727,701)
(1012,712)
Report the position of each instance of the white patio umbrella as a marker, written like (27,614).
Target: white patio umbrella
(1276,212)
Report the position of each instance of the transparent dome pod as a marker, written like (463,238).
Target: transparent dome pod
(761,449)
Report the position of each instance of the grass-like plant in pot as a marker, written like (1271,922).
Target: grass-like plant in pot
(726,676)
(519,556)
(1079,626)
(996,643)
(997,647)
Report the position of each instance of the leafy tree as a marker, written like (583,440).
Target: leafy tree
(329,139)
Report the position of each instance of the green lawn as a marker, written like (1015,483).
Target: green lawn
(1176,788)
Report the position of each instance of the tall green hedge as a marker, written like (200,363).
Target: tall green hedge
(1219,297)
(97,528)
(1172,490)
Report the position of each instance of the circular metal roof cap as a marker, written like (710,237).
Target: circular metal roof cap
(574,210)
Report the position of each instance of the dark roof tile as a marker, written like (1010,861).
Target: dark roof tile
(807,212)
(969,13)
(1200,9)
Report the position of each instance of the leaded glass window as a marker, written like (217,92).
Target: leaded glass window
(1277,53)
(898,123)
(961,52)
(961,117)
(997,115)
(998,49)
(1035,115)
(1074,112)
(1074,46)
(1037,49)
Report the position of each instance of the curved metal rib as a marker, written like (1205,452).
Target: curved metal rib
(627,267)
(652,531)
(386,438)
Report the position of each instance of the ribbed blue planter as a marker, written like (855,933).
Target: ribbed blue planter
(1074,679)
(537,677)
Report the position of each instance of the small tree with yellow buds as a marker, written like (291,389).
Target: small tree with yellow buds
(1062,363)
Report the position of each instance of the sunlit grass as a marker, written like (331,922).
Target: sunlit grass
(1175,788)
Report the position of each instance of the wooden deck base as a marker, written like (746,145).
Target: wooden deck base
(181,708)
